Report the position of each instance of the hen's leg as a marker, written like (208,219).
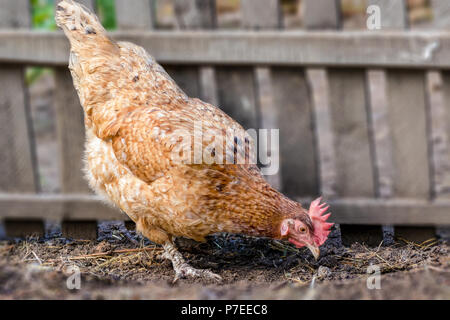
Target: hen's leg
(182,268)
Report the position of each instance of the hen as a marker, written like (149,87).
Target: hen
(144,136)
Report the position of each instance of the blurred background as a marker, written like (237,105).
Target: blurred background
(348,132)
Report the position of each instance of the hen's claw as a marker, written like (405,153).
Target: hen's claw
(182,268)
(186,271)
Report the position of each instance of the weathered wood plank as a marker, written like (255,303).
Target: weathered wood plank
(441,14)
(333,49)
(380,132)
(199,14)
(140,15)
(407,121)
(70,133)
(354,165)
(265,14)
(58,207)
(190,15)
(438,96)
(299,170)
(394,14)
(18,170)
(439,89)
(345,210)
(268,120)
(87,3)
(349,121)
(261,14)
(321,14)
(208,85)
(187,78)
(236,92)
(15,14)
(408,126)
(320,94)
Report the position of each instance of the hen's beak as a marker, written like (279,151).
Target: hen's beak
(314,250)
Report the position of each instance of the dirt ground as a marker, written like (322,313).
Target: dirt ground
(121,265)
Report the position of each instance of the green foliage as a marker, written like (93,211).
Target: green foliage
(42,14)
(107,13)
(43,18)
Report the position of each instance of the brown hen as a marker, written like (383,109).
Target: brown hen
(178,167)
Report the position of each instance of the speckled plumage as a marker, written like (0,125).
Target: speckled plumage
(133,111)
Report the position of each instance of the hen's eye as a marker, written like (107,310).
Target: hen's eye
(302,229)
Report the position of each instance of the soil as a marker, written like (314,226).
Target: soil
(121,265)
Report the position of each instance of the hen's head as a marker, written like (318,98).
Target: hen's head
(308,229)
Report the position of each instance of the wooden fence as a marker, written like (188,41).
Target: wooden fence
(364,116)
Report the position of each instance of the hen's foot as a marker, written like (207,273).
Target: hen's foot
(186,271)
(183,269)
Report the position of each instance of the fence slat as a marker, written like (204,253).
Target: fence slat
(261,14)
(236,94)
(196,82)
(18,170)
(320,94)
(322,14)
(90,4)
(349,120)
(15,14)
(353,154)
(408,126)
(71,138)
(438,96)
(380,132)
(297,143)
(199,14)
(186,77)
(139,15)
(407,120)
(441,14)
(268,120)
(265,14)
(394,14)
(70,133)
(208,85)
(18,163)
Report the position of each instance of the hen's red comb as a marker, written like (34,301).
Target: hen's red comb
(318,218)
